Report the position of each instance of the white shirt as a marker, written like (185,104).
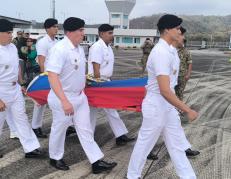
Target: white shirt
(69,63)
(102,54)
(9,69)
(161,61)
(44,45)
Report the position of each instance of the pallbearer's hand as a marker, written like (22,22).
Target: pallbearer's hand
(2,106)
(187,77)
(192,115)
(68,108)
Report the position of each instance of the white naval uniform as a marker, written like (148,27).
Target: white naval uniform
(10,123)
(43,47)
(102,54)
(11,95)
(186,145)
(160,117)
(69,63)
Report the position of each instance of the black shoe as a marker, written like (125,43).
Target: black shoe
(70,130)
(35,154)
(1,156)
(191,153)
(152,156)
(101,166)
(59,164)
(122,140)
(39,133)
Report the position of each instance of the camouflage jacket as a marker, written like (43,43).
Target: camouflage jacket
(185,60)
(147,47)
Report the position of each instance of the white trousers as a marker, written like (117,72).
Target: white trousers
(117,125)
(10,122)
(159,117)
(37,118)
(81,121)
(185,143)
(16,110)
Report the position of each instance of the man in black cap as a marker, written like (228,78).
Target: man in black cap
(43,47)
(11,98)
(183,58)
(185,67)
(69,105)
(100,65)
(177,49)
(159,105)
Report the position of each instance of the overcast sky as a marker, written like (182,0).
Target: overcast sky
(95,11)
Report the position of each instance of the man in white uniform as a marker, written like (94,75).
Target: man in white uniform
(186,145)
(43,47)
(158,107)
(100,65)
(177,45)
(11,98)
(10,123)
(69,105)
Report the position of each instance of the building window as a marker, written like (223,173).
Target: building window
(115,15)
(117,40)
(125,16)
(125,27)
(116,26)
(91,38)
(127,40)
(137,40)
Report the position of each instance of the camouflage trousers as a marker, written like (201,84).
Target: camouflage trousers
(144,60)
(179,88)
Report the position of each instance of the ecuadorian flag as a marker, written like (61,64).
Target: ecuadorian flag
(118,94)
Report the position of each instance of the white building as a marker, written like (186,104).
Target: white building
(122,37)
(119,11)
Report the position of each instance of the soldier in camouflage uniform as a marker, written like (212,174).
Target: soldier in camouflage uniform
(185,70)
(147,48)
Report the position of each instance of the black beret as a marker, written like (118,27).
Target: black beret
(183,30)
(49,23)
(168,21)
(105,28)
(73,23)
(5,25)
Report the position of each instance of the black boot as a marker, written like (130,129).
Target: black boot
(101,166)
(191,153)
(123,140)
(59,164)
(39,133)
(70,130)
(35,154)
(152,156)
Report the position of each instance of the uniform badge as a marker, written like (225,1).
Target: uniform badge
(76,66)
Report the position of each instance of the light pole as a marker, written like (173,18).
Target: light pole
(53,9)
